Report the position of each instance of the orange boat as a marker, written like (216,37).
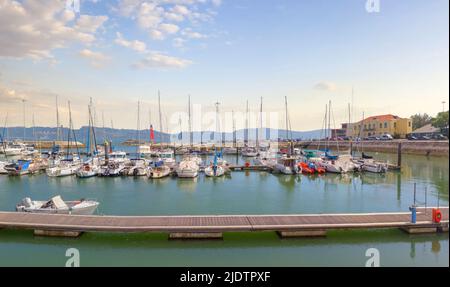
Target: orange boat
(306,169)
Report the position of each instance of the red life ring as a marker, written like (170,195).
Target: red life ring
(437,215)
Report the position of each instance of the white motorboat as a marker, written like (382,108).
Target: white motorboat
(66,167)
(118,156)
(249,152)
(138,168)
(287,165)
(112,169)
(331,166)
(187,169)
(266,158)
(2,167)
(58,206)
(158,171)
(15,149)
(370,165)
(167,156)
(229,150)
(19,168)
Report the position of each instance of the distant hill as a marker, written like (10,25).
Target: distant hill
(122,135)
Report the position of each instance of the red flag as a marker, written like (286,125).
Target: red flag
(152,134)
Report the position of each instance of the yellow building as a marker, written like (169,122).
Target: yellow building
(380,125)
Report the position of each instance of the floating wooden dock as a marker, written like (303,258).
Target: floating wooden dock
(210,226)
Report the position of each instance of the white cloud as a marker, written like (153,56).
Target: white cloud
(163,30)
(96,59)
(178,42)
(90,24)
(32,29)
(158,60)
(325,86)
(189,33)
(217,2)
(134,45)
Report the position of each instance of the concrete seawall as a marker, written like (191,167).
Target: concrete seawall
(427,148)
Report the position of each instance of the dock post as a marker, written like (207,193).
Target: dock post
(399,155)
(351,147)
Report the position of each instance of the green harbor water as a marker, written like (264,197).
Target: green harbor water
(240,193)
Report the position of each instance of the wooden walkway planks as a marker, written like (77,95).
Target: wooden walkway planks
(223,223)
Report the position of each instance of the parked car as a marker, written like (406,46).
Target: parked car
(439,137)
(386,137)
(412,138)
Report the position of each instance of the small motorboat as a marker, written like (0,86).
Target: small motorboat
(307,168)
(58,206)
(287,165)
(187,169)
(374,167)
(112,169)
(2,167)
(160,170)
(138,168)
(19,168)
(249,152)
(66,167)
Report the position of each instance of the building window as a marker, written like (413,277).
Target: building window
(395,125)
(409,124)
(381,125)
(385,125)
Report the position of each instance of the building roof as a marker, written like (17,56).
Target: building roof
(426,129)
(388,117)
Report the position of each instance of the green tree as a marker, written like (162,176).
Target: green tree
(441,121)
(420,120)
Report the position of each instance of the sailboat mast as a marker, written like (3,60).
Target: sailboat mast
(138,127)
(103,124)
(234,129)
(191,138)
(329,119)
(217,104)
(287,121)
(58,131)
(160,118)
(68,132)
(261,117)
(246,126)
(24,128)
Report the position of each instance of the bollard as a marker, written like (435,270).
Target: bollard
(413,209)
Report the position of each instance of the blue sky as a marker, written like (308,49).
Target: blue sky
(312,51)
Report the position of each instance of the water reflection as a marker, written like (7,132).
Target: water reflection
(187,184)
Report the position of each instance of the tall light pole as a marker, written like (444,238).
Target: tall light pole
(443,106)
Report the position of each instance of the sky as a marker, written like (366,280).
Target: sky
(391,58)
